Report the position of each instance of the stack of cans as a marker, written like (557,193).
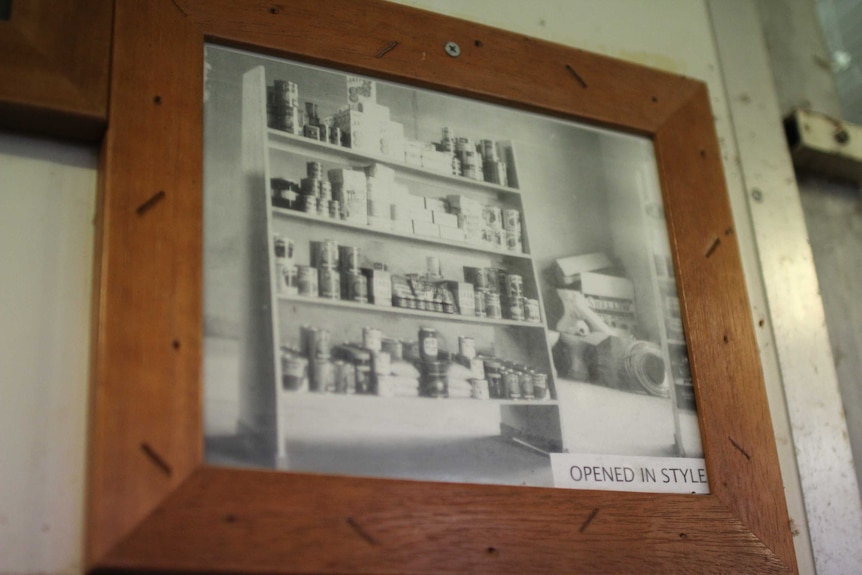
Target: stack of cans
(285,266)
(325,259)
(316,345)
(433,379)
(509,380)
(501,295)
(283,106)
(512,228)
(354,285)
(471,160)
(316,193)
(494,169)
(514,297)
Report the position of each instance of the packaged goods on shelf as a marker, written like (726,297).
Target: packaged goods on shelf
(612,299)
(380,171)
(436,204)
(568,270)
(284,192)
(444,220)
(379,284)
(453,234)
(413,152)
(402,226)
(422,215)
(349,187)
(429,229)
(464,296)
(374,111)
(381,223)
(359,132)
(392,140)
(282,106)
(360,91)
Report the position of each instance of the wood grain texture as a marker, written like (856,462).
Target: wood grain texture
(54,64)
(258,521)
(737,437)
(154,505)
(146,408)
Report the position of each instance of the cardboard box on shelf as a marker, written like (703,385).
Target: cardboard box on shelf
(429,229)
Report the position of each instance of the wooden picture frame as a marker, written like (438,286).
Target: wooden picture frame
(54,65)
(153,502)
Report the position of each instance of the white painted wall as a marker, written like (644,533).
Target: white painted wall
(47,200)
(47,193)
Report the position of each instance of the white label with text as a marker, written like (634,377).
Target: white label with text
(629,473)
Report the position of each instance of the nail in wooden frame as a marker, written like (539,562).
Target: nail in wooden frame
(154,503)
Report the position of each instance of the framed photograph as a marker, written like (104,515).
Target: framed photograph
(453,300)
(54,67)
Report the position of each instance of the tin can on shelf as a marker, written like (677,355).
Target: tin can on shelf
(381,363)
(467,347)
(363,373)
(294,371)
(372,339)
(393,347)
(349,258)
(512,384)
(321,379)
(306,280)
(525,381)
(493,309)
(433,380)
(428,344)
(531,310)
(314,170)
(515,309)
(477,368)
(514,286)
(310,131)
(494,378)
(280,245)
(357,287)
(540,384)
(479,389)
(513,241)
(479,302)
(512,219)
(342,372)
(476,276)
(329,283)
(432,264)
(287,278)
(326,254)
(315,343)
(309,205)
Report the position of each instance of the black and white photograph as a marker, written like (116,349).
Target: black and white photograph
(403,283)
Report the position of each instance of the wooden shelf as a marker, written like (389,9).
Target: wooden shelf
(371,308)
(324,151)
(283,212)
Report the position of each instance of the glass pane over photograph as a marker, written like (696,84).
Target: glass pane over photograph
(406,284)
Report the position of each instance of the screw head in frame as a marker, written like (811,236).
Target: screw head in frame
(453,49)
(842,136)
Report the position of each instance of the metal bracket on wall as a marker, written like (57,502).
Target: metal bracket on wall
(825,145)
